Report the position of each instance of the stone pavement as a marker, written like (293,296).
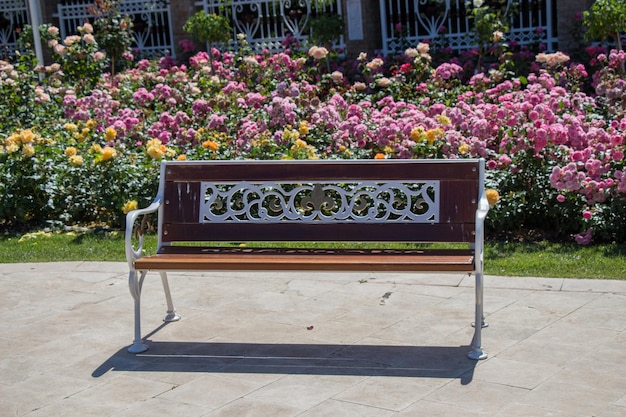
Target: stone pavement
(307,344)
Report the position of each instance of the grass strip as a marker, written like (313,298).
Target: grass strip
(539,259)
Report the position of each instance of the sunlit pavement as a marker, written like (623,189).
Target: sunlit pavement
(307,344)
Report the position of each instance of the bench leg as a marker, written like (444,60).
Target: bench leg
(171,311)
(477,350)
(135,282)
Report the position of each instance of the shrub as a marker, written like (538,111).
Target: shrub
(606,19)
(554,152)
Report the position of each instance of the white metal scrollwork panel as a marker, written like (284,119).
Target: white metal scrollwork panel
(13,16)
(266,24)
(152,32)
(316,201)
(448,23)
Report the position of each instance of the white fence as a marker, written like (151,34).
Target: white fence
(268,23)
(13,16)
(411,21)
(152,31)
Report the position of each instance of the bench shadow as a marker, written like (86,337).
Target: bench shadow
(286,358)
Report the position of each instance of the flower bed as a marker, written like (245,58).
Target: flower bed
(71,155)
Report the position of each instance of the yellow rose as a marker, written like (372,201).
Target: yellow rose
(291,135)
(96,148)
(108,153)
(182,157)
(110,134)
(129,206)
(11,145)
(153,142)
(304,128)
(444,120)
(300,144)
(70,151)
(464,148)
(433,134)
(76,160)
(492,196)
(157,151)
(27,136)
(70,127)
(416,134)
(28,150)
(211,145)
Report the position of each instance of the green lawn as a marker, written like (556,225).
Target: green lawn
(541,259)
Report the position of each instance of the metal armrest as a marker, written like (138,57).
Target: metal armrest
(133,253)
(481,214)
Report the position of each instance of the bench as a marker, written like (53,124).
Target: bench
(203,204)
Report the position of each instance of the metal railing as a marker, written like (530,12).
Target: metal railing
(267,24)
(13,16)
(408,22)
(152,30)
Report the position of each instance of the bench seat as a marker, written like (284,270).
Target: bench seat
(183,258)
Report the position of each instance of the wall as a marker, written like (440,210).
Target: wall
(371,41)
(567,13)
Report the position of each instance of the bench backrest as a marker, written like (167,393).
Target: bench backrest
(329,200)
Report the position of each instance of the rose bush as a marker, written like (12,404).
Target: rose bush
(554,152)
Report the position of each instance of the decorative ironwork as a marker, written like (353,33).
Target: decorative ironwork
(371,201)
(152,32)
(13,16)
(405,23)
(266,24)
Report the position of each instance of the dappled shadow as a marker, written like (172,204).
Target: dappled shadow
(307,359)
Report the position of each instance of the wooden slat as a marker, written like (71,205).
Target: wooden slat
(318,232)
(444,261)
(177,171)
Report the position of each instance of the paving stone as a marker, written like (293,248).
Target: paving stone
(575,399)
(244,407)
(613,412)
(390,393)
(345,409)
(305,391)
(73,407)
(123,391)
(160,407)
(438,409)
(307,344)
(528,375)
(472,396)
(524,410)
(210,391)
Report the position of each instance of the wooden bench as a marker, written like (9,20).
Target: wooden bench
(200,203)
